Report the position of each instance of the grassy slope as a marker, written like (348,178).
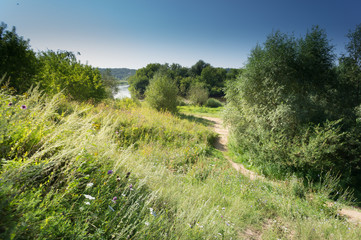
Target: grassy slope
(168,181)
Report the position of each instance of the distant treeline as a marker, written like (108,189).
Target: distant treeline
(120,73)
(201,74)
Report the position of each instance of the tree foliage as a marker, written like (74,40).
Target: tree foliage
(110,82)
(60,71)
(161,93)
(285,109)
(17,60)
(212,78)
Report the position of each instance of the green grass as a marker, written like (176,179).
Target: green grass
(168,180)
(201,111)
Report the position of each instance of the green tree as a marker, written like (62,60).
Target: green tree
(198,93)
(282,106)
(196,69)
(161,93)
(214,79)
(110,82)
(350,69)
(60,71)
(17,59)
(139,82)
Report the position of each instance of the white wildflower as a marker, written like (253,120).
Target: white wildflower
(89,197)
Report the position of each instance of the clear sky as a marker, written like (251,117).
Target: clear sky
(133,33)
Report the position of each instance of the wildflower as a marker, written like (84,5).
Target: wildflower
(114,199)
(10,104)
(118,179)
(110,172)
(110,207)
(223,208)
(117,132)
(90,184)
(23,107)
(227,223)
(87,203)
(152,212)
(89,197)
(146,223)
(131,187)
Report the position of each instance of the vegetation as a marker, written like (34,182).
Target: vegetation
(201,111)
(60,71)
(213,103)
(286,111)
(18,62)
(80,165)
(162,94)
(213,79)
(119,73)
(198,94)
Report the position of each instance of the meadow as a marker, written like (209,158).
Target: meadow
(118,170)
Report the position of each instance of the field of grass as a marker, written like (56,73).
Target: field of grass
(122,171)
(201,111)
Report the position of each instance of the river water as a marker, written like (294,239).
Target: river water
(123,92)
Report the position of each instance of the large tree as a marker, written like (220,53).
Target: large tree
(281,107)
(18,62)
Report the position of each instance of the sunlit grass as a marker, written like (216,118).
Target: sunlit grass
(118,171)
(201,111)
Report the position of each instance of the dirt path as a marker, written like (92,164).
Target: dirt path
(221,145)
(352,214)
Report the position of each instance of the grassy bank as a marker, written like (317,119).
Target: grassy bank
(119,171)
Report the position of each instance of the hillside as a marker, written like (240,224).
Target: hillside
(121,171)
(120,73)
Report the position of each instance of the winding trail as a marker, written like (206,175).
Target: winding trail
(351,213)
(221,145)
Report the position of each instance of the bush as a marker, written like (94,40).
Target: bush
(60,71)
(162,94)
(213,103)
(198,94)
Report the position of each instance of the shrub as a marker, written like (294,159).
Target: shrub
(162,94)
(198,94)
(60,71)
(213,103)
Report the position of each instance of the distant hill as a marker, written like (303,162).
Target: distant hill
(120,73)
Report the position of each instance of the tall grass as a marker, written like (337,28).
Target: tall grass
(118,171)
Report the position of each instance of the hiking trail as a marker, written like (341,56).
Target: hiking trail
(352,214)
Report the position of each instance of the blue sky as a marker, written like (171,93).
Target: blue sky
(133,33)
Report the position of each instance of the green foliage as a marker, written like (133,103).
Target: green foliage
(213,103)
(169,182)
(198,94)
(212,78)
(110,82)
(119,73)
(283,108)
(61,72)
(139,82)
(18,62)
(162,93)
